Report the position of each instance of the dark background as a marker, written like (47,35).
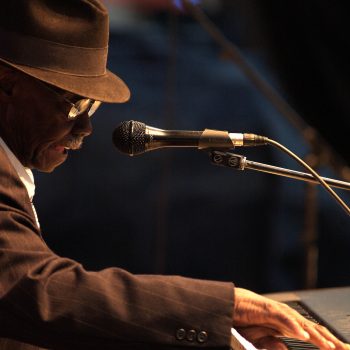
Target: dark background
(171,211)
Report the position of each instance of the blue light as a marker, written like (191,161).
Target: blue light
(179,5)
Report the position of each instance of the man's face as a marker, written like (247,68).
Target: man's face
(34,124)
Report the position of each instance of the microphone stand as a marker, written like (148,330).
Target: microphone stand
(239,162)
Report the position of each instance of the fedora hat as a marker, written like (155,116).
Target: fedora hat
(63,43)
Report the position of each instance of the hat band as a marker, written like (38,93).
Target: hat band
(52,56)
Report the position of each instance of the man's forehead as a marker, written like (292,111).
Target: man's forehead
(64,93)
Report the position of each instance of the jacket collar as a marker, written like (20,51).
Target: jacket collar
(25,174)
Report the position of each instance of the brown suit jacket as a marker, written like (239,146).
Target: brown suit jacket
(53,302)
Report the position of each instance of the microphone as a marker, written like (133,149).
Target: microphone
(133,138)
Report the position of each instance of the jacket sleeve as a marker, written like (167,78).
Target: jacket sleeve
(54,302)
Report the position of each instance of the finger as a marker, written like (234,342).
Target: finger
(270,343)
(317,339)
(289,322)
(319,335)
(254,333)
(275,315)
(330,337)
(322,337)
(308,331)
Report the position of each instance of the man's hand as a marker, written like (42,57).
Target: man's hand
(261,320)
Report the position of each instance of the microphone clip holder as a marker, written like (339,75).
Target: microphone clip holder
(227,159)
(239,162)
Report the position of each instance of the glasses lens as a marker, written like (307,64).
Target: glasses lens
(82,106)
(73,113)
(94,107)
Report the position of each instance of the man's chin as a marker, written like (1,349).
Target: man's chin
(50,162)
(47,169)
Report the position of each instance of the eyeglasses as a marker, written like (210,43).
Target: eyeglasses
(82,106)
(78,108)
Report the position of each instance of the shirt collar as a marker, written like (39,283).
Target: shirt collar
(25,174)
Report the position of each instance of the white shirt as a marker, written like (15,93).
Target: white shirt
(25,174)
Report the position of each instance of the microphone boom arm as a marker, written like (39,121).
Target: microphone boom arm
(239,162)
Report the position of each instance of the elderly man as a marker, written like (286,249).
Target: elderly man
(53,77)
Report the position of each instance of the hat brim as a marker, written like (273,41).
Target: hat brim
(105,88)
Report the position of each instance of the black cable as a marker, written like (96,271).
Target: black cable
(312,171)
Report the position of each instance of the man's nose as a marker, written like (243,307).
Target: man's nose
(82,125)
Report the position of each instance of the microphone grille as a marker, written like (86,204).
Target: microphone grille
(129,137)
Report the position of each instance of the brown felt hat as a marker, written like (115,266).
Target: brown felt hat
(61,42)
